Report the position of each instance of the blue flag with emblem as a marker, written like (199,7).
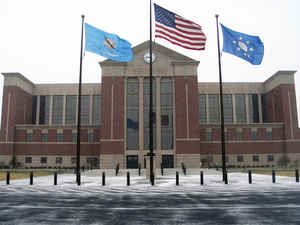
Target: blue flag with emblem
(108,45)
(247,47)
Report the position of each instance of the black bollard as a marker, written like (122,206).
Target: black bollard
(273,176)
(128,179)
(161,169)
(226,177)
(177,178)
(297,175)
(152,177)
(117,169)
(31,178)
(79,179)
(250,177)
(139,169)
(201,178)
(7,177)
(103,178)
(55,178)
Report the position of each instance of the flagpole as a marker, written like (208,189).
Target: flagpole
(79,109)
(151,103)
(222,109)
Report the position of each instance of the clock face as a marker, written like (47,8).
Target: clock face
(147,57)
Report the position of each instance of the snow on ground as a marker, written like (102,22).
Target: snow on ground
(238,202)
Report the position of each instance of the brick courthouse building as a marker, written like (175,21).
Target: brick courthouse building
(39,120)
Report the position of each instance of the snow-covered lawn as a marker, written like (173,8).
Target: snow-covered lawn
(238,202)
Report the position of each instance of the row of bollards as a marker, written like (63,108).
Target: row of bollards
(177,177)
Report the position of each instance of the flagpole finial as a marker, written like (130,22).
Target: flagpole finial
(217,15)
(82,16)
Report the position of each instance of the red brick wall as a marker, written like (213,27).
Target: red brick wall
(20,111)
(117,115)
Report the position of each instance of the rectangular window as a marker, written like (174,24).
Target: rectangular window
(44,137)
(29,137)
(240,108)
(255,158)
(239,135)
(132,114)
(44,109)
(270,158)
(59,137)
(253,108)
(168,161)
(85,110)
(240,158)
(166,107)
(59,160)
(57,109)
(132,162)
(74,137)
(167,102)
(208,136)
(34,107)
(73,160)
(269,135)
(202,109)
(28,159)
(90,137)
(213,106)
(253,135)
(96,109)
(43,160)
(228,110)
(71,107)
(264,107)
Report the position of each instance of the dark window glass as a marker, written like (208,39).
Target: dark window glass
(269,135)
(29,137)
(73,160)
(85,110)
(270,158)
(57,109)
(255,158)
(28,159)
(253,135)
(239,135)
(253,108)
(132,113)
(166,107)
(132,162)
(228,110)
(43,160)
(208,136)
(213,108)
(71,107)
(202,109)
(59,137)
(44,137)
(146,96)
(34,107)
(90,137)
(44,109)
(58,160)
(74,137)
(168,161)
(264,108)
(96,109)
(240,108)
(240,158)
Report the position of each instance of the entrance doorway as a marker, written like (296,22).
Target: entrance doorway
(132,162)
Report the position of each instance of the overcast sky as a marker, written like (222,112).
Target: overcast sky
(41,39)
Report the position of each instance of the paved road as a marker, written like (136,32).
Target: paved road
(156,205)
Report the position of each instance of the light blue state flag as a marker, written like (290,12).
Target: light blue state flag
(108,45)
(247,47)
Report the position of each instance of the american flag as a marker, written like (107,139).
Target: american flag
(178,30)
